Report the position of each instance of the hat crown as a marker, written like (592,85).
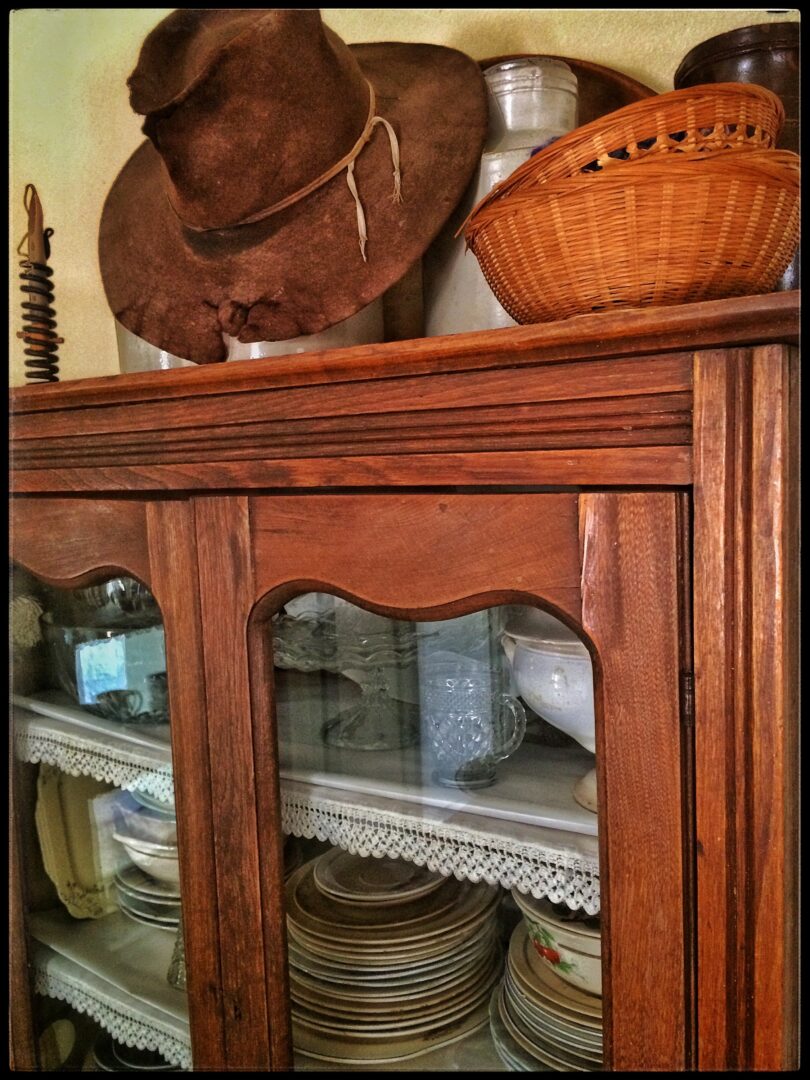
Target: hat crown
(246,107)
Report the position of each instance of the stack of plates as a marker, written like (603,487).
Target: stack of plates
(156,903)
(387,960)
(112,1056)
(540,1021)
(148,831)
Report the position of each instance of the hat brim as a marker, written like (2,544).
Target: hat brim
(300,270)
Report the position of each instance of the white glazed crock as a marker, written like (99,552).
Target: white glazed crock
(553,673)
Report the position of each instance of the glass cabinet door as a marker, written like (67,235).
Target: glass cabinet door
(437,681)
(96,827)
(441,862)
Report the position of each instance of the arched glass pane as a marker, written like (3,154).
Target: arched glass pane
(97,831)
(439,800)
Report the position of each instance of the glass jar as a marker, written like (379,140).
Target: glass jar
(532,102)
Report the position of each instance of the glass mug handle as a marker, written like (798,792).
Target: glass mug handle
(517,722)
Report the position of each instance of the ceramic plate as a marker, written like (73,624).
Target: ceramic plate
(345,1049)
(531,1047)
(416,1009)
(403,989)
(413,1049)
(393,976)
(148,921)
(589,1040)
(310,907)
(76,849)
(139,882)
(453,1005)
(384,957)
(369,880)
(509,1051)
(576,1021)
(551,1040)
(154,901)
(167,916)
(532,972)
(474,903)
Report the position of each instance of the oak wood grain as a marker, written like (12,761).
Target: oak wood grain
(417,395)
(420,553)
(75,542)
(630,611)
(271,847)
(738,321)
(174,582)
(632,420)
(746,724)
(616,466)
(225,583)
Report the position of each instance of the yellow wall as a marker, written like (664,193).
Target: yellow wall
(72,128)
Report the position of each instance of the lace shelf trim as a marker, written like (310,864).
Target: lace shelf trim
(122,1026)
(91,759)
(563,877)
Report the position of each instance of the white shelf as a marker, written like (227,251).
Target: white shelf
(524,831)
(49,728)
(114,970)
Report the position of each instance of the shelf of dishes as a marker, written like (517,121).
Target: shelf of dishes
(114,970)
(389,962)
(52,729)
(525,830)
(128,1004)
(468,982)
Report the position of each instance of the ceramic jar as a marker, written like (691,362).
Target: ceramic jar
(553,674)
(365,327)
(532,101)
(766,54)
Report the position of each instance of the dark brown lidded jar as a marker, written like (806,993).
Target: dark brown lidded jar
(767,54)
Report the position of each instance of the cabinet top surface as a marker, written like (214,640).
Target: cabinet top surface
(771,318)
(603,399)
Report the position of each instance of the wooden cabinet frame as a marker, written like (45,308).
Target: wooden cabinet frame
(661,448)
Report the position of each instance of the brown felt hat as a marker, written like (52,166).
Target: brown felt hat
(265,203)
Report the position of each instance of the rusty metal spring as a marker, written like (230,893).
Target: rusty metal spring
(39,325)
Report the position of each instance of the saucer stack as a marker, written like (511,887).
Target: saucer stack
(387,960)
(539,1020)
(148,889)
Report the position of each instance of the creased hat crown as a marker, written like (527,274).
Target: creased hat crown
(246,107)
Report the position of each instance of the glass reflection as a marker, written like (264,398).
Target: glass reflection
(94,802)
(446,916)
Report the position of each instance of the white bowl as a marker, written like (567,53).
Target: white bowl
(572,950)
(158,860)
(141,824)
(553,673)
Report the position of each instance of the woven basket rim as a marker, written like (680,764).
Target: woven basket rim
(658,108)
(776,168)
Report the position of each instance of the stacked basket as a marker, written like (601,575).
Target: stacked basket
(675,198)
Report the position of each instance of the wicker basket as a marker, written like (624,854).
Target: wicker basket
(696,226)
(720,116)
